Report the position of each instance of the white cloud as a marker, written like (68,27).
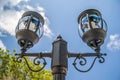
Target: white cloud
(12,10)
(114,43)
(47,31)
(13,2)
(8,21)
(2,45)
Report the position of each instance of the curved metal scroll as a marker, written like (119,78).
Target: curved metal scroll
(18,59)
(83,62)
(36,61)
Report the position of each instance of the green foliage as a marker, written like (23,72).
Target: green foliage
(11,70)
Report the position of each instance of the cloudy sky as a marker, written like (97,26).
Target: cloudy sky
(61,18)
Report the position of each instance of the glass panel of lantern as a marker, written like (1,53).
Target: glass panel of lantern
(36,26)
(32,24)
(22,23)
(89,22)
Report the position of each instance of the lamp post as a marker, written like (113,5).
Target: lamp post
(92,30)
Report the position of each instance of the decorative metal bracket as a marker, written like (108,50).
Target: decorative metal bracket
(78,56)
(37,61)
(83,61)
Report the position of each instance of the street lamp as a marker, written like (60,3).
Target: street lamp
(29,29)
(92,30)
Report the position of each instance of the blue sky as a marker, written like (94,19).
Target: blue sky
(61,18)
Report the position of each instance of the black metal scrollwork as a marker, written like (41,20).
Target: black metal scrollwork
(101,60)
(18,59)
(38,61)
(83,62)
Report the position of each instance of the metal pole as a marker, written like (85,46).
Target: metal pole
(59,64)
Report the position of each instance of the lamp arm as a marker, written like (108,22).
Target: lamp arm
(45,54)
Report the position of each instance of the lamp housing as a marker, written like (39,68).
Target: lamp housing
(92,28)
(29,29)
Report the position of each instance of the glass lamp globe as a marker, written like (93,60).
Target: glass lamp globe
(29,29)
(92,28)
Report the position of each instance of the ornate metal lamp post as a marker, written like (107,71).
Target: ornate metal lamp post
(92,30)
